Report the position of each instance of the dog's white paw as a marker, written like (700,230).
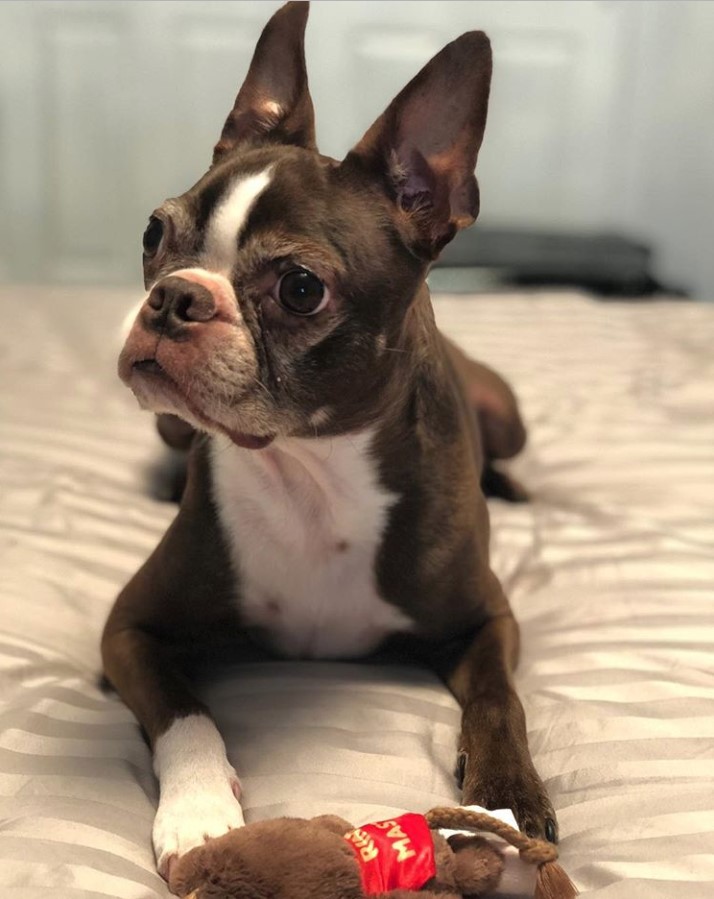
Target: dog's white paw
(189,819)
(199,790)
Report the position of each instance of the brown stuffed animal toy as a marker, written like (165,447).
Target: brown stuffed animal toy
(326,858)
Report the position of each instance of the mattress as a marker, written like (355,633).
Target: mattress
(610,570)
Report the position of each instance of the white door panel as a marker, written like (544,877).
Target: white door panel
(83,162)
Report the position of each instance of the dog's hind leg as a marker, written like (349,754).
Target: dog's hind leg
(503,433)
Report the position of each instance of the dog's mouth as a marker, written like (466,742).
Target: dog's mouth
(149,367)
(152,368)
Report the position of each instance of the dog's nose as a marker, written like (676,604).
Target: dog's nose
(175,301)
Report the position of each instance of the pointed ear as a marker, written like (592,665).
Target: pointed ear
(274,103)
(423,148)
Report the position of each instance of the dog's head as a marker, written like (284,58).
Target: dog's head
(280,284)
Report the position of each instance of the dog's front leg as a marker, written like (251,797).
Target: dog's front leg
(494,764)
(199,788)
(180,601)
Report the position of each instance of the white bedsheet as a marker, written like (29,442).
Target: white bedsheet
(610,570)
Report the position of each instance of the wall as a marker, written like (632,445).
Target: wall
(601,115)
(668,149)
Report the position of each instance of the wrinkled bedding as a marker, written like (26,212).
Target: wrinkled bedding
(610,569)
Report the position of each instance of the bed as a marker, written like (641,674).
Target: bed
(610,569)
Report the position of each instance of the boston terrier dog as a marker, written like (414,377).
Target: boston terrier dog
(333,503)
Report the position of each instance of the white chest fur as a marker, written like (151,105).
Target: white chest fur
(304,520)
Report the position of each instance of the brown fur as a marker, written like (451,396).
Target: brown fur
(292,858)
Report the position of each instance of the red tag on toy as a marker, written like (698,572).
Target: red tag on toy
(394,854)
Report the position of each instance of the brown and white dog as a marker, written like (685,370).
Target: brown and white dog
(333,502)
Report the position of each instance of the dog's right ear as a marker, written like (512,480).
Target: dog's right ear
(274,102)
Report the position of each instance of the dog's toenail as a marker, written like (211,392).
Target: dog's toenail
(550,833)
(461,760)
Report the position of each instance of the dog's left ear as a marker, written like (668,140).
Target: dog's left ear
(423,148)
(274,102)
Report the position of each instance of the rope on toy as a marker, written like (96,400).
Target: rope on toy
(551,881)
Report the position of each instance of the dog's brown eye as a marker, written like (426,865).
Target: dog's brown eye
(301,292)
(153,236)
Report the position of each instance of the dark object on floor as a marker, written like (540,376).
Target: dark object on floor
(605,264)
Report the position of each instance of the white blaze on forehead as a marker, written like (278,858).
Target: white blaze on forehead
(229,217)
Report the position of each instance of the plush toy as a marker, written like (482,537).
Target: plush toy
(326,858)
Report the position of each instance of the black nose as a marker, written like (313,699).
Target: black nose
(174,302)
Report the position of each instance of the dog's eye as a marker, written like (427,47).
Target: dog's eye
(301,292)
(153,236)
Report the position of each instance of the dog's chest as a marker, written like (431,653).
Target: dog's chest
(304,520)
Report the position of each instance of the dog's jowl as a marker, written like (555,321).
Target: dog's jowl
(333,500)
